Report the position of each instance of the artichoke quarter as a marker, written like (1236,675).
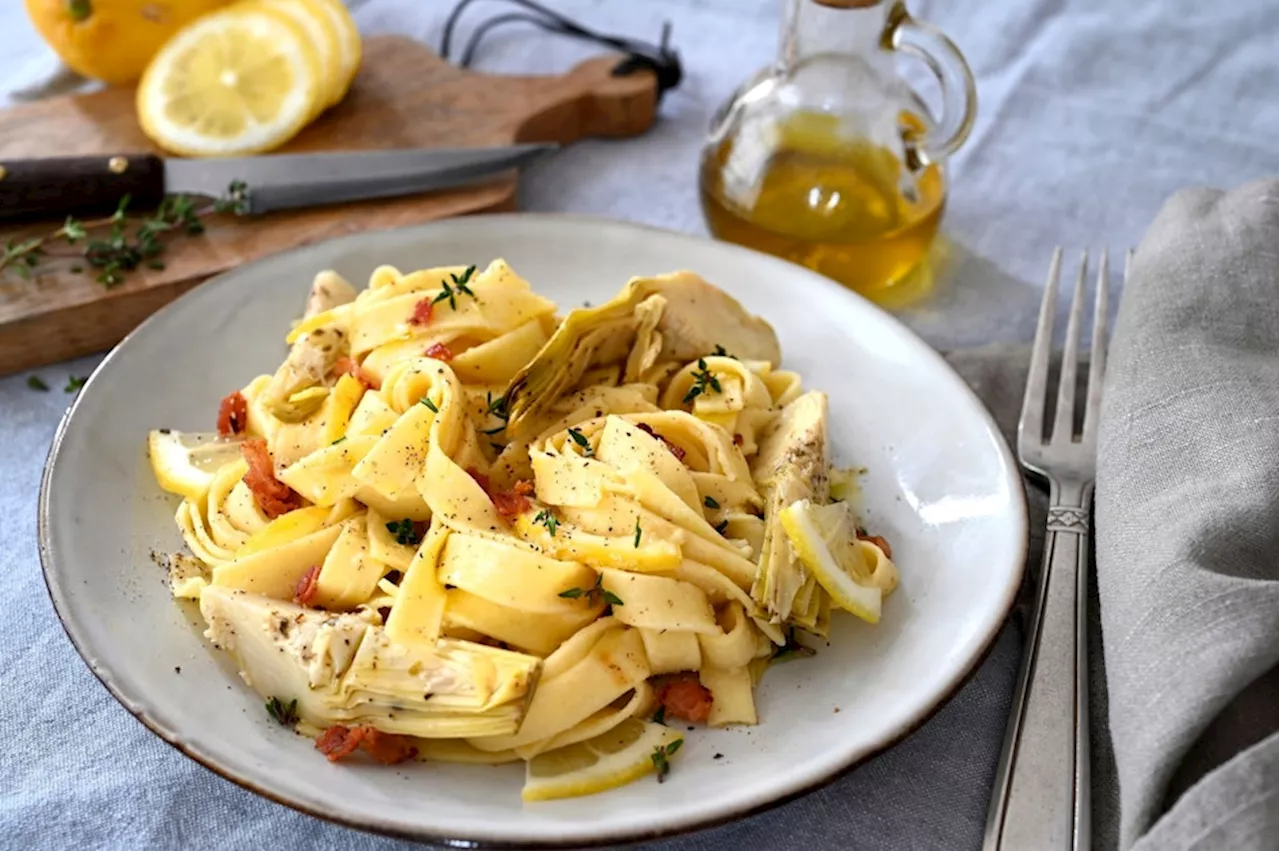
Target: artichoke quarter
(297,389)
(696,317)
(342,669)
(791,465)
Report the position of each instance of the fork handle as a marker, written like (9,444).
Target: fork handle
(1041,794)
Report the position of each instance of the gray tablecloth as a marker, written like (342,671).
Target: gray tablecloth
(1090,116)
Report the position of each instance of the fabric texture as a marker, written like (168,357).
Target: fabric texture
(1088,119)
(1187,524)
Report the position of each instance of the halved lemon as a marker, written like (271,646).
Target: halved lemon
(350,49)
(825,539)
(186,462)
(612,759)
(242,80)
(322,29)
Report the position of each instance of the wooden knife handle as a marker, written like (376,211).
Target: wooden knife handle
(60,186)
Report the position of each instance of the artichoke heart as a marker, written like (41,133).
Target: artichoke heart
(342,669)
(791,465)
(695,318)
(293,393)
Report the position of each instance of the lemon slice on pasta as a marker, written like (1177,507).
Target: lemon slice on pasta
(611,759)
(186,462)
(825,539)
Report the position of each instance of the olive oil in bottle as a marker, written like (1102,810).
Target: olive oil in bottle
(836,205)
(830,158)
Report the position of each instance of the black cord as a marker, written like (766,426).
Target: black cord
(661,59)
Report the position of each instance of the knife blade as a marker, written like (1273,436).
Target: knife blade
(64,185)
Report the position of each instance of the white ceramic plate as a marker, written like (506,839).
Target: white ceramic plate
(941,487)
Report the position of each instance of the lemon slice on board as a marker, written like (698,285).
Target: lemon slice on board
(350,49)
(825,539)
(611,759)
(239,81)
(322,30)
(186,462)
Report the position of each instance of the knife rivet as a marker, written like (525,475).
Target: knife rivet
(117,165)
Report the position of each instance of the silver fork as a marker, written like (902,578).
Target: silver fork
(1041,794)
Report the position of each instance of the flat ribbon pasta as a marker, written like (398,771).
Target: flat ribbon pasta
(495,532)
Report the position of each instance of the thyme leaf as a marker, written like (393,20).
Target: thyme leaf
(284,714)
(581,439)
(406,531)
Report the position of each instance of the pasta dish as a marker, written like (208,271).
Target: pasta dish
(454,525)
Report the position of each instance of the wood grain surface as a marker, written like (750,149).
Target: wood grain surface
(404,97)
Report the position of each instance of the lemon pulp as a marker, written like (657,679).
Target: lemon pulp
(241,80)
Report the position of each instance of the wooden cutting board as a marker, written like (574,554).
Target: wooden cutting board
(404,97)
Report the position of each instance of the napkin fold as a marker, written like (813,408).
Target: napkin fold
(1186,517)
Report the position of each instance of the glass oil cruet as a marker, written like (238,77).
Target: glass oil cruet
(829,158)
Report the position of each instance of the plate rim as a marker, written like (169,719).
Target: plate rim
(172,737)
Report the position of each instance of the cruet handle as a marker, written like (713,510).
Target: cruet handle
(959,94)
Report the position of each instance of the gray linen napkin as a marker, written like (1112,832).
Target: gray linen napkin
(1187,526)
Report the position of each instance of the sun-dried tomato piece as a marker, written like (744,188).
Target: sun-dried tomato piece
(682,696)
(339,741)
(481,479)
(879,542)
(422,312)
(233,414)
(273,496)
(349,366)
(439,351)
(512,503)
(737,440)
(307,587)
(387,748)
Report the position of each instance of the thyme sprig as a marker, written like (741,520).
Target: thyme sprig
(546,518)
(661,758)
(593,594)
(703,382)
(111,246)
(285,714)
(406,531)
(459,287)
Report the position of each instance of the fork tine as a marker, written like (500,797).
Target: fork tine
(1064,419)
(1098,347)
(1031,423)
